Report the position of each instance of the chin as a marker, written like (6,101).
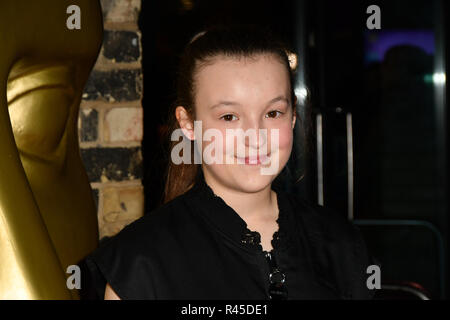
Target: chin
(253,187)
(252,181)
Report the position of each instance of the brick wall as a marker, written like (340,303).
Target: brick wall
(111,120)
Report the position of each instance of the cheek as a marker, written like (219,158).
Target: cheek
(285,138)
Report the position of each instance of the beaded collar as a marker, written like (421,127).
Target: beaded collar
(227,221)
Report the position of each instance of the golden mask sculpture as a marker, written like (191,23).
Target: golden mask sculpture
(48,218)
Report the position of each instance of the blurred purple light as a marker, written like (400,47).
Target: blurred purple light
(377,43)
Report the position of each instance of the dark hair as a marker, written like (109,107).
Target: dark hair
(233,41)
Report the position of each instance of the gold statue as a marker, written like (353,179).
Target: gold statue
(48,219)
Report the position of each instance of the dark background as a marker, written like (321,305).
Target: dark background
(398,123)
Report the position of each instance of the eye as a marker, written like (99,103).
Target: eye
(274,114)
(229,117)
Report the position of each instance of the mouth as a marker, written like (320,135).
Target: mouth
(254,160)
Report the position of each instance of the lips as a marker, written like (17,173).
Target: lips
(254,160)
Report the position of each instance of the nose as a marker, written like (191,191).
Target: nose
(255,135)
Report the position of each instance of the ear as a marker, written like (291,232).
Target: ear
(294,112)
(185,122)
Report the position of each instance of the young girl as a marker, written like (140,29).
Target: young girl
(225,231)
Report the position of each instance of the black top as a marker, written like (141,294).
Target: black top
(197,247)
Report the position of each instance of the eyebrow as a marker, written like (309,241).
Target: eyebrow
(233,103)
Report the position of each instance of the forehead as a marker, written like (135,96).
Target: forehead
(245,79)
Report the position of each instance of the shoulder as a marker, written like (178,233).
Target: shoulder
(339,252)
(161,223)
(126,260)
(323,221)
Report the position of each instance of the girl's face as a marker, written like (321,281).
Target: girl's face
(248,94)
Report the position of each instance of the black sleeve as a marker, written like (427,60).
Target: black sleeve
(119,261)
(95,277)
(338,250)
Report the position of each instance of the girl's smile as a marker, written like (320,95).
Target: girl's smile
(254,160)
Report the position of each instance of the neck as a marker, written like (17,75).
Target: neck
(251,207)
